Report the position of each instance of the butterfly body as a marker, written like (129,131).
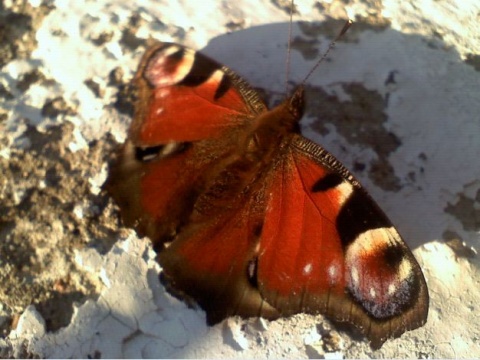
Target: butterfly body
(249,217)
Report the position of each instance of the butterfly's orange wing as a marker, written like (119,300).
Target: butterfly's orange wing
(326,247)
(213,262)
(188,116)
(309,239)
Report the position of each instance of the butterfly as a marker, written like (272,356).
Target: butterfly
(250,218)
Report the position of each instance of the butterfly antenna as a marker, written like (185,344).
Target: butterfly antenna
(289,47)
(345,28)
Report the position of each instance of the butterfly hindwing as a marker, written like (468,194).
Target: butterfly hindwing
(213,261)
(326,247)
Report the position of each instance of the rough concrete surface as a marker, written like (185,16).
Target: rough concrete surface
(397,102)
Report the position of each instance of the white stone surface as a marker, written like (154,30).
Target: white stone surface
(434,109)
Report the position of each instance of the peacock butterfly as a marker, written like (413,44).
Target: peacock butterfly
(250,218)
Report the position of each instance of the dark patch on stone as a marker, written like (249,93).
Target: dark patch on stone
(21,351)
(286,6)
(3,116)
(309,48)
(97,354)
(57,316)
(29,78)
(390,80)
(102,38)
(332,26)
(235,25)
(57,106)
(331,342)
(5,93)
(18,25)
(125,99)
(10,32)
(129,38)
(459,247)
(95,87)
(358,166)
(382,173)
(435,42)
(59,33)
(359,120)
(467,211)
(115,77)
(473,60)
(126,95)
(412,176)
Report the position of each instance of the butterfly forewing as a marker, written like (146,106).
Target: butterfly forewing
(185,96)
(188,116)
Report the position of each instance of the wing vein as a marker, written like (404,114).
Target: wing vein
(307,192)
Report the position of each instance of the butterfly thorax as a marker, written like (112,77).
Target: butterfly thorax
(273,127)
(237,177)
